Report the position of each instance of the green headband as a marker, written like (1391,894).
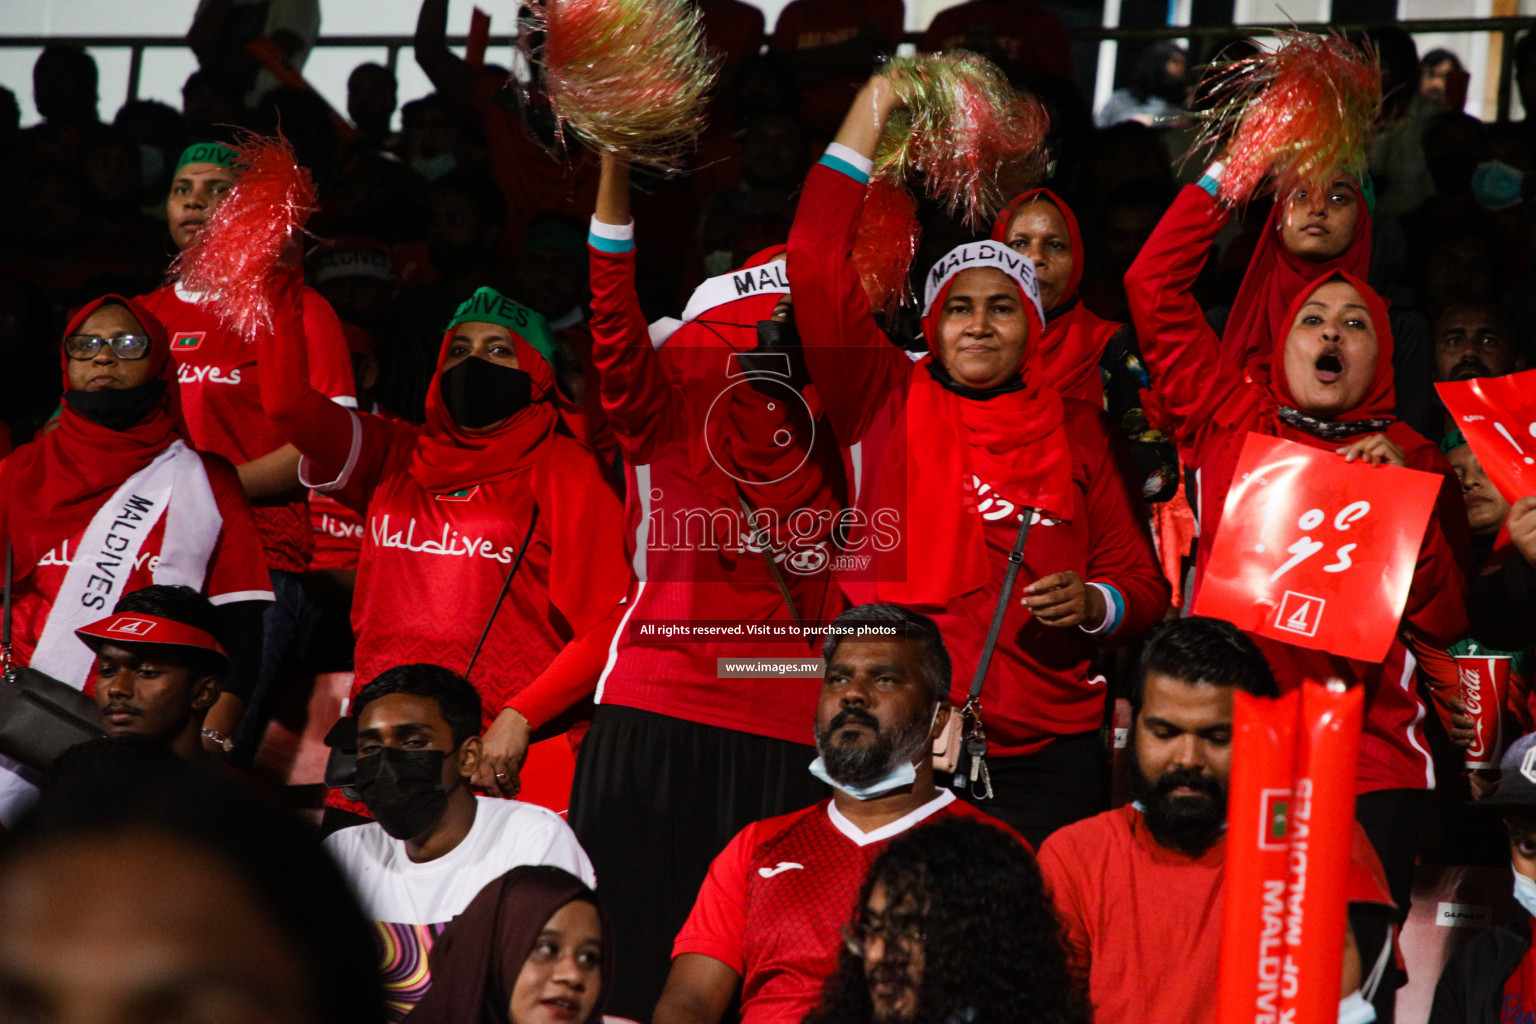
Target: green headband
(487,305)
(1450,442)
(208,153)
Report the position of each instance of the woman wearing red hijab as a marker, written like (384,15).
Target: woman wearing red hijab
(113,500)
(488,489)
(1040,225)
(1306,236)
(954,452)
(1328,385)
(726,456)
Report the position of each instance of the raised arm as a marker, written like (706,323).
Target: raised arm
(855,367)
(1202,393)
(337,442)
(644,407)
(447,70)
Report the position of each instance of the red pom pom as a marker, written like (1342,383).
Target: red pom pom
(232,259)
(886,242)
(1298,117)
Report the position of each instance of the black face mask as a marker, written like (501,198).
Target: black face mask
(403,789)
(116,408)
(479,393)
(777,352)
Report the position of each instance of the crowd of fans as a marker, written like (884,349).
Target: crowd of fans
(614,491)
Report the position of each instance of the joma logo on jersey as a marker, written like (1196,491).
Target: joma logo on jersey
(188,340)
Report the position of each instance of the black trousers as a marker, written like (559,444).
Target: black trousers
(654,801)
(1040,793)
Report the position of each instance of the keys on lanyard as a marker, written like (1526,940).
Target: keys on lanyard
(972,771)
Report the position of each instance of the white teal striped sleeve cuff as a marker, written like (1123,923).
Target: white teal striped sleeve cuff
(1114,611)
(849,161)
(611,237)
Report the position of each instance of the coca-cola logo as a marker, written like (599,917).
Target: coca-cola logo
(1472,696)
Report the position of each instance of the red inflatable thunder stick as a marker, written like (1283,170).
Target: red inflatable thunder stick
(1315,551)
(1497,416)
(1290,828)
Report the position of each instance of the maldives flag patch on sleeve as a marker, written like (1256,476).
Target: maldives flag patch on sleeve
(188,340)
(462,495)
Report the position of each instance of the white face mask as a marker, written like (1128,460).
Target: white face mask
(1525,893)
(904,774)
(1353,1009)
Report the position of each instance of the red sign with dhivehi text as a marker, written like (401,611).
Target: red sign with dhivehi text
(1315,551)
(1497,416)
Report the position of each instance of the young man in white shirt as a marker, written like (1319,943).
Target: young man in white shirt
(434,843)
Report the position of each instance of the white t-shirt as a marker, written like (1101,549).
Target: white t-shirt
(410,903)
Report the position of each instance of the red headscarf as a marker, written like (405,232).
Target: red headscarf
(477,960)
(1380,399)
(1275,277)
(449,458)
(50,489)
(1377,404)
(1074,338)
(1013,442)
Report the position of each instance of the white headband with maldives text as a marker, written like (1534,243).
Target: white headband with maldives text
(974,256)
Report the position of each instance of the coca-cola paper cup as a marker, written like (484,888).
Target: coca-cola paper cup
(1484,686)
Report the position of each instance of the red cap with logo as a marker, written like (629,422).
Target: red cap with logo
(140,628)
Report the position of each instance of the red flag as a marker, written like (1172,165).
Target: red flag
(1315,551)
(1497,415)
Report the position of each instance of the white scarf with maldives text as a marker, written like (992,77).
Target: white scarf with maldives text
(174,487)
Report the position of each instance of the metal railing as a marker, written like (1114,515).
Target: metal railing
(1506,27)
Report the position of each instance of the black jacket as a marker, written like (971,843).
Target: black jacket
(1471,988)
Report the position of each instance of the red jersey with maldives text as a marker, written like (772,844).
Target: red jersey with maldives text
(221,400)
(236,569)
(775,901)
(338,533)
(431,567)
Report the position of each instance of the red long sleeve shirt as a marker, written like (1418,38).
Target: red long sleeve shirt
(1211,408)
(432,565)
(1038,687)
(657,417)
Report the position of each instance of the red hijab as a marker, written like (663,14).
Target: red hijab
(1378,404)
(1014,442)
(1074,339)
(449,458)
(1258,323)
(1381,398)
(52,487)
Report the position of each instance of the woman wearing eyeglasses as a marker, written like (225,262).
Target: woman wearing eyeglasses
(114,500)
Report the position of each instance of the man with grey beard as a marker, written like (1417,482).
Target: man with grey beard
(771,914)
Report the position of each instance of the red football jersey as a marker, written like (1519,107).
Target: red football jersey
(338,533)
(776,899)
(221,400)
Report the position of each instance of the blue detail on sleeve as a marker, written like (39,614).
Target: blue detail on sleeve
(614,245)
(844,167)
